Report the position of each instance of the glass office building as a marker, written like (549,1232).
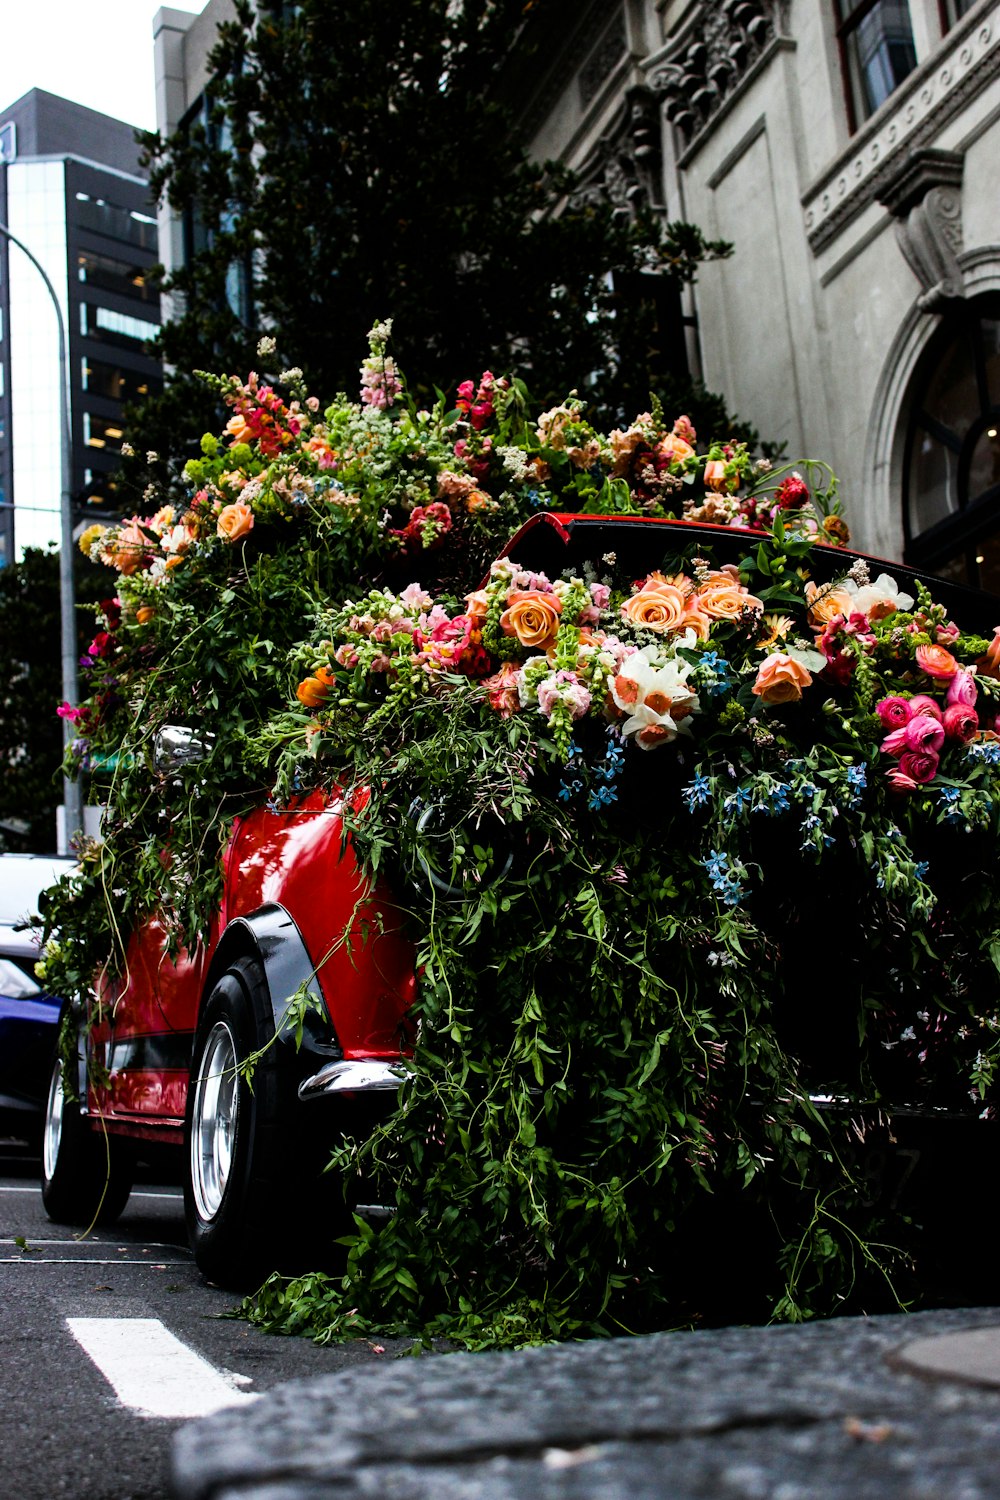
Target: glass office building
(71,189)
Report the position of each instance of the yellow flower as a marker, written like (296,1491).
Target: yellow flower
(89,537)
(778,626)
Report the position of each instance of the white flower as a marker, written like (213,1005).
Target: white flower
(878,599)
(127,451)
(658,699)
(266,346)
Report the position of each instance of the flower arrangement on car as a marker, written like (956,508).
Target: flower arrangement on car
(624,774)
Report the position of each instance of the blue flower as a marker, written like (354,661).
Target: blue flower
(697,792)
(857,776)
(601,796)
(738,800)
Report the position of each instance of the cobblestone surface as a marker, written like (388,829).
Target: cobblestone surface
(816,1412)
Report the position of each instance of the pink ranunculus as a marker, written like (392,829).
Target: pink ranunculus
(895,712)
(960,721)
(920,703)
(924,734)
(894,743)
(962,689)
(919,765)
(899,781)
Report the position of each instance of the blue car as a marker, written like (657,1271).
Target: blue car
(28,1016)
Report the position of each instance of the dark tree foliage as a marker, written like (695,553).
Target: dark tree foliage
(31,690)
(351,165)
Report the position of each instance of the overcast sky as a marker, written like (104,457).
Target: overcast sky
(96,52)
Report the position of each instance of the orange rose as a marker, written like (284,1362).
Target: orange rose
(696,619)
(312,692)
(781,679)
(825,603)
(235,521)
(935,661)
(533,617)
(657,606)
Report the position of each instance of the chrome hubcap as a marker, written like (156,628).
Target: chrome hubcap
(52,1134)
(213,1121)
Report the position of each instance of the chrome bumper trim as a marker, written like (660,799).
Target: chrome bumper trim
(353,1078)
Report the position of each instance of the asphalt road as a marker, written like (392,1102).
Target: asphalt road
(65,1429)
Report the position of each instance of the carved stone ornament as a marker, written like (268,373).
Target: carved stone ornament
(714,54)
(624,167)
(925,198)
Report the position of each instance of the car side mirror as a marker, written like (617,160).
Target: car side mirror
(176,745)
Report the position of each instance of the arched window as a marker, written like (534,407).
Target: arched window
(951,476)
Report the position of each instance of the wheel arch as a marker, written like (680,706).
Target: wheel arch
(271,936)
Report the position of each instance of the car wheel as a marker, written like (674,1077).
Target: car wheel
(86,1175)
(252,1192)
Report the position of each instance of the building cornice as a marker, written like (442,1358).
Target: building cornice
(966,62)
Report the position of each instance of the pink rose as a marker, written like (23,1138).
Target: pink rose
(924,734)
(960,722)
(894,712)
(899,781)
(920,703)
(919,765)
(962,689)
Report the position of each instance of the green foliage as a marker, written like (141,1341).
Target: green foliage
(364,170)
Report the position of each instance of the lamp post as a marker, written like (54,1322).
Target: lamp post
(67,604)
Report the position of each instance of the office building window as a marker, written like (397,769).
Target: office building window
(112,275)
(118,223)
(951,480)
(116,382)
(876,52)
(101,432)
(115,327)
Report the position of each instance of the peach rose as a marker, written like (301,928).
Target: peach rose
(657,606)
(476,605)
(936,662)
(989,665)
(826,603)
(129,548)
(240,429)
(696,619)
(312,692)
(781,679)
(714,477)
(235,521)
(533,617)
(723,597)
(675,448)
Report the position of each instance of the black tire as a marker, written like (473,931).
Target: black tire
(254,1197)
(86,1173)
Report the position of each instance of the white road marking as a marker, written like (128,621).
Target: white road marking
(151,1371)
(171,1197)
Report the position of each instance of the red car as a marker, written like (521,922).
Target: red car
(164,1063)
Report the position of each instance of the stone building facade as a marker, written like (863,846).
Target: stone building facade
(848,149)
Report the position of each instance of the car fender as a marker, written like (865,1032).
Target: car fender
(271,935)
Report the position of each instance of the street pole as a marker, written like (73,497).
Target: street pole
(72,805)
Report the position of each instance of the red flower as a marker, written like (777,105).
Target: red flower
(792,492)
